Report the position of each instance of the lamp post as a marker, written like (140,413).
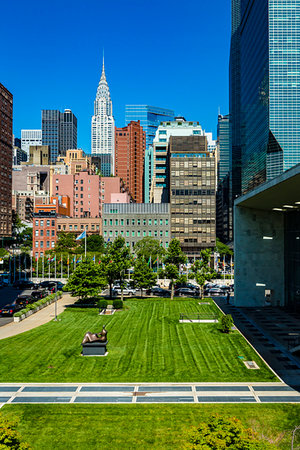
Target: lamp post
(55,304)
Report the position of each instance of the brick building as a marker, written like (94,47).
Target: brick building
(6,148)
(130,146)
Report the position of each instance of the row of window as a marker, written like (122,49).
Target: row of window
(72,227)
(133,222)
(41,244)
(135,233)
(41,233)
(41,223)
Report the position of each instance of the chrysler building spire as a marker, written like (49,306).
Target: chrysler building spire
(103,125)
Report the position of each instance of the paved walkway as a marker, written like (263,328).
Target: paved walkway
(147,393)
(35,320)
(269,331)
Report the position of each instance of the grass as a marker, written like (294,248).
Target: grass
(146,343)
(140,426)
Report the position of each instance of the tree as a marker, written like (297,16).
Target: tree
(174,254)
(223,249)
(201,270)
(94,243)
(219,433)
(87,280)
(226,323)
(143,275)
(171,271)
(66,242)
(9,436)
(149,247)
(117,261)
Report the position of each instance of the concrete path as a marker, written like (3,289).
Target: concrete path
(147,393)
(35,320)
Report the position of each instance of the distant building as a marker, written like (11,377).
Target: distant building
(31,178)
(148,172)
(30,137)
(130,143)
(103,163)
(39,155)
(137,220)
(223,144)
(6,140)
(19,156)
(192,193)
(150,118)
(23,203)
(103,124)
(76,161)
(59,131)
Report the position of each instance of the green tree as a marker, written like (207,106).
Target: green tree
(66,242)
(171,271)
(94,244)
(117,261)
(201,270)
(9,436)
(174,254)
(143,275)
(87,280)
(220,433)
(226,323)
(223,249)
(149,247)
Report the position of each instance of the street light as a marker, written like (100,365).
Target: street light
(55,301)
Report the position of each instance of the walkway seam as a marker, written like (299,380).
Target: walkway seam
(195,394)
(254,394)
(136,388)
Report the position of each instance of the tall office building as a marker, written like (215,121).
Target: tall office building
(59,131)
(30,137)
(103,124)
(192,193)
(150,117)
(223,142)
(130,143)
(267,92)
(6,141)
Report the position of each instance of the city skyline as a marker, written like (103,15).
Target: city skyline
(69,74)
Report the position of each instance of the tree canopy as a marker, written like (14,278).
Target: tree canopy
(143,275)
(174,254)
(223,249)
(117,260)
(149,247)
(201,269)
(87,280)
(94,243)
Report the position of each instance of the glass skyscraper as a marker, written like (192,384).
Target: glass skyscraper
(150,117)
(264,85)
(59,131)
(223,146)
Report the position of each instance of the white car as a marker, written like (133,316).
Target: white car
(126,291)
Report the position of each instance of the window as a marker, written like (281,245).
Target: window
(110,233)
(70,227)
(48,223)
(127,221)
(160,221)
(36,244)
(155,221)
(116,233)
(41,244)
(150,233)
(150,221)
(167,221)
(105,222)
(127,233)
(132,222)
(116,222)
(105,233)
(155,233)
(48,233)
(48,244)
(53,223)
(59,227)
(139,221)
(160,233)
(76,227)
(42,233)
(144,221)
(167,233)
(36,223)
(53,233)
(132,234)
(36,232)
(144,233)
(42,223)
(52,244)
(110,222)
(138,233)
(122,222)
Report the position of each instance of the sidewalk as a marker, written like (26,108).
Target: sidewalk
(35,320)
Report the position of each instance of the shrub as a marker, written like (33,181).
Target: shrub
(226,323)
(9,437)
(117,304)
(102,304)
(221,432)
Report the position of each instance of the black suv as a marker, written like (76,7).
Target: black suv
(10,309)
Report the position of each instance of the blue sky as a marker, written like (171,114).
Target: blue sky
(171,54)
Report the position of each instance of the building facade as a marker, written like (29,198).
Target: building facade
(192,193)
(223,146)
(267,87)
(59,131)
(6,141)
(39,155)
(19,156)
(30,137)
(134,221)
(103,124)
(130,144)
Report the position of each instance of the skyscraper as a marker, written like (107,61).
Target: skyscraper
(150,117)
(6,140)
(265,80)
(223,131)
(130,147)
(103,124)
(30,137)
(59,131)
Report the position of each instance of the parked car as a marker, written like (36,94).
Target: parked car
(49,285)
(186,291)
(126,291)
(186,285)
(216,292)
(59,285)
(24,299)
(24,284)
(160,292)
(10,309)
(37,295)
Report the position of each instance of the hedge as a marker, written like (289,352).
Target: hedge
(35,305)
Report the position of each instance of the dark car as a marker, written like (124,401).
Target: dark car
(24,284)
(186,285)
(216,292)
(160,292)
(10,309)
(23,300)
(59,285)
(186,291)
(37,295)
(49,285)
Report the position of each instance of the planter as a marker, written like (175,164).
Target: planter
(38,308)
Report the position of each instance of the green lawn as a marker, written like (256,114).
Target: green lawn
(146,342)
(89,427)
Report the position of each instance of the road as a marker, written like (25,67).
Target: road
(7,295)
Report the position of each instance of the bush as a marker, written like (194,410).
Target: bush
(102,304)
(226,323)
(34,305)
(9,437)
(117,304)
(221,432)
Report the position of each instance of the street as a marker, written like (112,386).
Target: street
(7,295)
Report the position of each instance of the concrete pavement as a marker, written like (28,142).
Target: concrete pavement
(35,320)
